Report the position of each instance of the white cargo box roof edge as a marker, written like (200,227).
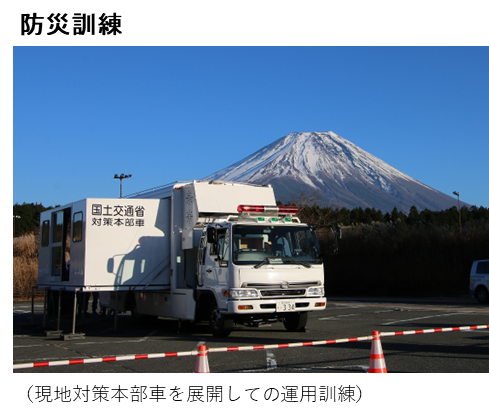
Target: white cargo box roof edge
(166,190)
(163,191)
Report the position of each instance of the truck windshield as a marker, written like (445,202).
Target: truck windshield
(275,244)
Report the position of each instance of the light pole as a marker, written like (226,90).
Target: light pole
(457,194)
(120,177)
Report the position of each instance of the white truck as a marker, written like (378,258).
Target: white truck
(214,251)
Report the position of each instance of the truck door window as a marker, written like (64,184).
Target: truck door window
(223,246)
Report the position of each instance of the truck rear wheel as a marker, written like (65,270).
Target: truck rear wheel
(296,322)
(219,325)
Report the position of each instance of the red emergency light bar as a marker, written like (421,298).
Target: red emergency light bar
(251,208)
(266,208)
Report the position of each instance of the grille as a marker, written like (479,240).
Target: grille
(280,293)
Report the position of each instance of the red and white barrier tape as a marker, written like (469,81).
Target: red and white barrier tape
(104,359)
(241,348)
(289,345)
(332,341)
(425,331)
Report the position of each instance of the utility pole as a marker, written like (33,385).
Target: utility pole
(120,177)
(457,194)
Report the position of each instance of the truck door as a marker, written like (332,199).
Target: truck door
(214,269)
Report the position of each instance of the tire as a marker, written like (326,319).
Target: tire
(219,325)
(296,322)
(482,295)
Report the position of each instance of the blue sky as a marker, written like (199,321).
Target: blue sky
(83,114)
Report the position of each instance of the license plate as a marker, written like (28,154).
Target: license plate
(285,305)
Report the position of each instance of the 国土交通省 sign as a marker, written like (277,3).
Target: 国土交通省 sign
(117,215)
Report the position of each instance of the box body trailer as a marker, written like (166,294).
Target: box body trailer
(81,241)
(214,251)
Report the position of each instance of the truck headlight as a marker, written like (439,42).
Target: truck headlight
(315,291)
(238,293)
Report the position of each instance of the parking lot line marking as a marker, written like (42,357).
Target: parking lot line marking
(271,361)
(420,318)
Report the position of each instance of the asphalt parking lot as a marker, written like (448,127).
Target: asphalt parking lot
(450,352)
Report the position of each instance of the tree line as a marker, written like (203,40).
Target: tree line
(450,217)
(313,213)
(26,218)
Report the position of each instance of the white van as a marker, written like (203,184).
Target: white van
(479,280)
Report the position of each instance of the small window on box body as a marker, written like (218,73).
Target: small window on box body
(45,233)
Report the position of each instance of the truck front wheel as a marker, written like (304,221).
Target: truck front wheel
(296,322)
(219,325)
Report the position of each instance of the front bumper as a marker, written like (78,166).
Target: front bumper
(272,306)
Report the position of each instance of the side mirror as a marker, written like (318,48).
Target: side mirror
(110,266)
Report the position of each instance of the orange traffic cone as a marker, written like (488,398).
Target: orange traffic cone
(202,362)
(377,361)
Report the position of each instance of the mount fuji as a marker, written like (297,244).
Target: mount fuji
(342,173)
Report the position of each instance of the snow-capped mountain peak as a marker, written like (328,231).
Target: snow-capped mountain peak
(345,174)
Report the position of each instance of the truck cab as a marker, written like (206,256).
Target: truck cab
(260,266)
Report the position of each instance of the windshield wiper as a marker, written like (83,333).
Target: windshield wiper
(297,262)
(267,261)
(259,265)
